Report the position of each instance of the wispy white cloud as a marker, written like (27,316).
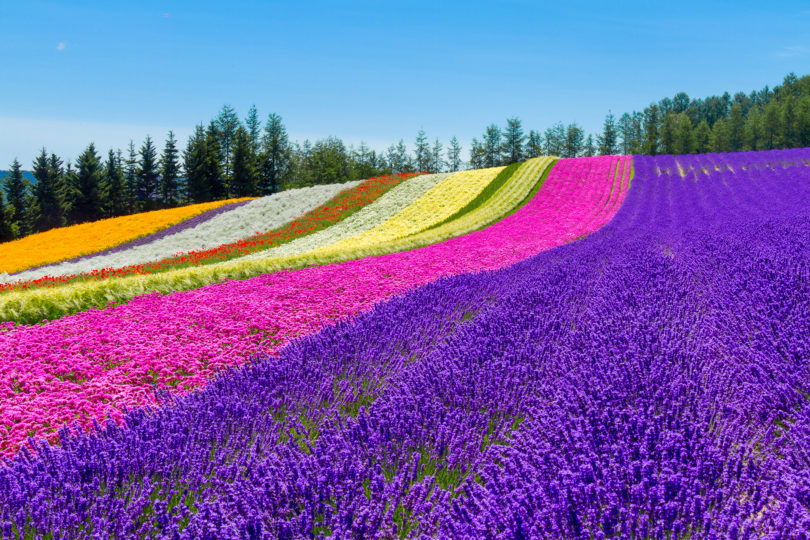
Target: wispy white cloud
(793,51)
(61,46)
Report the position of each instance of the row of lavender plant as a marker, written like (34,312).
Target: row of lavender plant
(148,239)
(650,380)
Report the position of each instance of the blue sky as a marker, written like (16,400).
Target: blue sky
(76,71)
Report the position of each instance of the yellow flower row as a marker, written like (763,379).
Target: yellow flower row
(439,203)
(68,242)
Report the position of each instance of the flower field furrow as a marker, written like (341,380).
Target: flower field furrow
(179,340)
(438,203)
(649,381)
(148,239)
(367,218)
(258,216)
(68,242)
(504,200)
(344,204)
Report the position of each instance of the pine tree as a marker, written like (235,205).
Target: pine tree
(226,125)
(364,160)
(554,138)
(651,126)
(668,128)
(243,181)
(770,127)
(787,122)
(625,129)
(477,154)
(47,193)
(254,129)
(421,149)
(534,144)
(589,148)
(6,233)
(803,122)
(301,160)
(492,146)
(703,135)
(574,140)
(398,159)
(16,188)
(736,128)
(194,160)
(436,161)
(169,173)
(719,140)
(454,154)
(275,158)
(637,127)
(608,140)
(213,170)
(680,102)
(131,179)
(115,186)
(71,192)
(328,161)
(87,182)
(513,140)
(61,185)
(751,130)
(148,176)
(684,140)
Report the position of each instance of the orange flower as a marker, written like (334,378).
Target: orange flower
(68,242)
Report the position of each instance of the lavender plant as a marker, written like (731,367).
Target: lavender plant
(650,380)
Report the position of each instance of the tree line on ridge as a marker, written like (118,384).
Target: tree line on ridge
(230,157)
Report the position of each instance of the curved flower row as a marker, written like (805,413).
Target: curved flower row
(83,367)
(68,242)
(258,216)
(143,240)
(367,218)
(439,203)
(507,198)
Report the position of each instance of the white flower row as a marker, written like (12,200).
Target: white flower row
(379,211)
(258,216)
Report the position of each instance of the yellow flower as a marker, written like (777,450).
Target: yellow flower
(439,203)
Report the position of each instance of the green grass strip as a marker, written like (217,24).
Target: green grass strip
(535,189)
(482,197)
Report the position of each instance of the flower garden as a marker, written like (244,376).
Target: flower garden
(611,346)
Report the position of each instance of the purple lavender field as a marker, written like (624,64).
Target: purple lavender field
(648,381)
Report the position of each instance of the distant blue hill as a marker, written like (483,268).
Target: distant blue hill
(26,174)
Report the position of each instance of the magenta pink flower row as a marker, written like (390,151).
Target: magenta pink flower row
(90,365)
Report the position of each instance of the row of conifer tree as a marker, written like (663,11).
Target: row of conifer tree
(230,157)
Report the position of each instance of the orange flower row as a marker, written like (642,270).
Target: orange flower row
(68,242)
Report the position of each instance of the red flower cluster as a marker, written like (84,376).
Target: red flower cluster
(340,207)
